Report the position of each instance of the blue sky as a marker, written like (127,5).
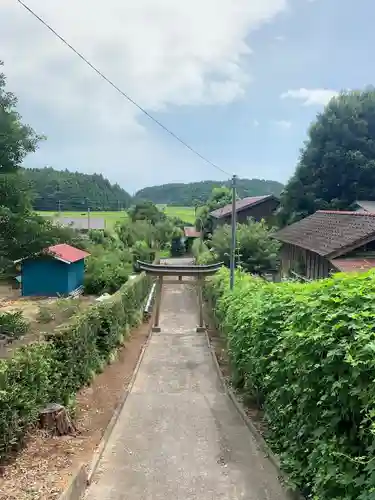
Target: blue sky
(239,80)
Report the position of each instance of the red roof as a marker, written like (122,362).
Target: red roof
(191,232)
(358,265)
(67,253)
(240,205)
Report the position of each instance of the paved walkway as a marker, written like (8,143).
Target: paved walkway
(179,436)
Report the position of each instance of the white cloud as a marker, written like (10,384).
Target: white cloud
(283,124)
(165,53)
(280,38)
(255,123)
(311,97)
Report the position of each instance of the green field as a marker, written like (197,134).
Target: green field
(187,214)
(184,213)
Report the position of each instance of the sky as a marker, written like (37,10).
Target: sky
(238,80)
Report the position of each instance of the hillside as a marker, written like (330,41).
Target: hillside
(54,189)
(193,192)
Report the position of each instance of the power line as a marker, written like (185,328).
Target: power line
(81,56)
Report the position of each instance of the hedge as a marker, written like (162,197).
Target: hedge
(306,354)
(54,370)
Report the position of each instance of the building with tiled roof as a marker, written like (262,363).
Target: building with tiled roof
(328,241)
(257,207)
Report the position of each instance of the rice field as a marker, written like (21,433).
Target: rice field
(184,213)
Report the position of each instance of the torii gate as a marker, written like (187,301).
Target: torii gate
(162,271)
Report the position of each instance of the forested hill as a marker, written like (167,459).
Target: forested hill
(193,192)
(54,189)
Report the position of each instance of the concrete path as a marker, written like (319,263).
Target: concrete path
(179,436)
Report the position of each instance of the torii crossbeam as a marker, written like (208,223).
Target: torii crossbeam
(162,271)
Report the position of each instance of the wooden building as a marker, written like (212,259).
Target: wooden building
(59,270)
(328,242)
(257,207)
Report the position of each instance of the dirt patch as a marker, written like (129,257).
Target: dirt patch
(44,468)
(218,342)
(44,315)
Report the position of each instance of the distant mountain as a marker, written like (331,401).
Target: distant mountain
(189,194)
(74,191)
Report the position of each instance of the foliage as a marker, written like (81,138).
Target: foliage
(25,234)
(54,370)
(16,139)
(65,190)
(130,232)
(198,247)
(305,352)
(256,250)
(197,193)
(337,165)
(107,269)
(13,324)
(141,251)
(14,192)
(146,211)
(218,199)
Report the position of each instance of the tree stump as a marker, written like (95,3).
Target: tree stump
(56,420)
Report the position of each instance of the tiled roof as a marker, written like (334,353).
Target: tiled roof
(191,232)
(67,253)
(358,265)
(329,232)
(240,205)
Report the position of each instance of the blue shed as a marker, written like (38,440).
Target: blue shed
(58,271)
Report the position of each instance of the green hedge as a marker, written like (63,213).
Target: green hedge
(306,354)
(54,370)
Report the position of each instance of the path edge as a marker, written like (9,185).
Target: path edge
(291,494)
(85,473)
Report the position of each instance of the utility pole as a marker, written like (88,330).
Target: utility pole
(233,239)
(88,217)
(59,207)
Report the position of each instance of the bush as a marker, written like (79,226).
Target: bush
(54,370)
(13,324)
(306,353)
(257,252)
(106,270)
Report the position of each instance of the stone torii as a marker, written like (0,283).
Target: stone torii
(173,275)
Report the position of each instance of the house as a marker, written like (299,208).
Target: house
(328,242)
(257,207)
(59,270)
(82,224)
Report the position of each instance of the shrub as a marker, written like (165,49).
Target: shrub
(53,371)
(305,352)
(13,324)
(106,270)
(258,252)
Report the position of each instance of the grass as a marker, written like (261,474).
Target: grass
(184,213)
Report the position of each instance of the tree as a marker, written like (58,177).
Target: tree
(16,139)
(54,189)
(194,194)
(337,163)
(257,251)
(15,192)
(24,234)
(147,211)
(220,197)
